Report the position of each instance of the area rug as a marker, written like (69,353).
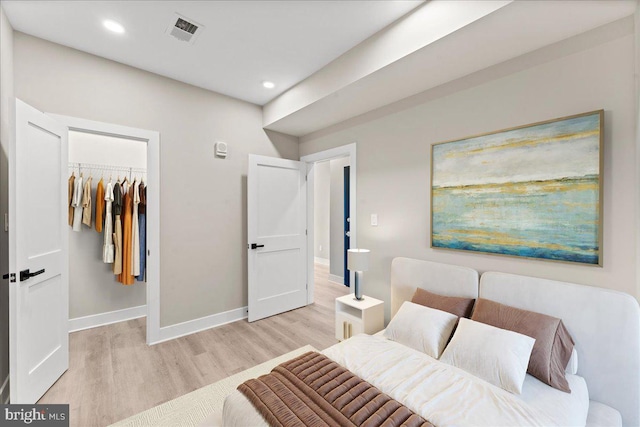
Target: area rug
(205,403)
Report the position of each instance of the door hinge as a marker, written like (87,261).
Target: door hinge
(10,276)
(6,222)
(306,232)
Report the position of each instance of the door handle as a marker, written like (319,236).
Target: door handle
(25,274)
(256,246)
(10,276)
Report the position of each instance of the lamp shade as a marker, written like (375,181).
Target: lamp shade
(358,259)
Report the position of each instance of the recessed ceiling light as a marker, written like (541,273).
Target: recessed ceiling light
(113,26)
(268,84)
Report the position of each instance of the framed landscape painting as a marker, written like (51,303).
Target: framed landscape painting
(533,191)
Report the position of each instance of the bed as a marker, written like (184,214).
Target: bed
(604,324)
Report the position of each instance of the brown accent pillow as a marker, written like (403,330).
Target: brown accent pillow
(461,307)
(553,346)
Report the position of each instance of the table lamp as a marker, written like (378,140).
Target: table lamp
(358,261)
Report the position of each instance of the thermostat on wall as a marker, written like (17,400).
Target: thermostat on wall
(221,149)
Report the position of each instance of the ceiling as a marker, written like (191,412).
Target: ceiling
(330,60)
(243,42)
(457,46)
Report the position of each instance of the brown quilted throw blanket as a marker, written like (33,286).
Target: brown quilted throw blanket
(313,390)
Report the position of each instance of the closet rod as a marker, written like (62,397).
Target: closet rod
(106,167)
(131,171)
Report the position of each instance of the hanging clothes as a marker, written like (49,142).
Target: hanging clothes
(99,205)
(77,204)
(86,203)
(126,278)
(117,234)
(108,248)
(142,210)
(124,188)
(135,231)
(72,180)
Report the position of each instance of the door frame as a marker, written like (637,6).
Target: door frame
(152,138)
(349,151)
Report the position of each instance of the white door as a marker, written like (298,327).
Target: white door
(38,247)
(277,236)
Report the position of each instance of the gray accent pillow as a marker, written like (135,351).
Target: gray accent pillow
(461,307)
(553,346)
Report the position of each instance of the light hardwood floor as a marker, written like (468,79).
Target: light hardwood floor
(113,374)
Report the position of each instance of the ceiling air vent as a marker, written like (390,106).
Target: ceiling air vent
(184,29)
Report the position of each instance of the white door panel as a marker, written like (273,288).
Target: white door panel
(277,220)
(42,150)
(278,210)
(274,267)
(39,301)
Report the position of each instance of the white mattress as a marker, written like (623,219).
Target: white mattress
(442,394)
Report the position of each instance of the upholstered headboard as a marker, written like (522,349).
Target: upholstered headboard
(408,274)
(604,324)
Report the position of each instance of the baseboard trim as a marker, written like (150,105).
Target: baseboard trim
(3,389)
(203,323)
(336,279)
(321,261)
(102,319)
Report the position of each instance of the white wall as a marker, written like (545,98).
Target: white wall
(337,216)
(203,239)
(588,72)
(637,74)
(321,207)
(7,107)
(93,288)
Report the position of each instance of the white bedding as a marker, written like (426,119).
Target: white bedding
(442,394)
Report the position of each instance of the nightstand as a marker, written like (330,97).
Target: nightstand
(355,317)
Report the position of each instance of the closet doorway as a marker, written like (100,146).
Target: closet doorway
(113,153)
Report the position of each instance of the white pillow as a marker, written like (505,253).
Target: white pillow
(572,364)
(421,328)
(496,355)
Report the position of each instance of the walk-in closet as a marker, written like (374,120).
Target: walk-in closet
(107,229)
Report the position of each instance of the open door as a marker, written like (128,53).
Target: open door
(38,247)
(277,218)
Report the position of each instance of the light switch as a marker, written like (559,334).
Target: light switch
(374,220)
